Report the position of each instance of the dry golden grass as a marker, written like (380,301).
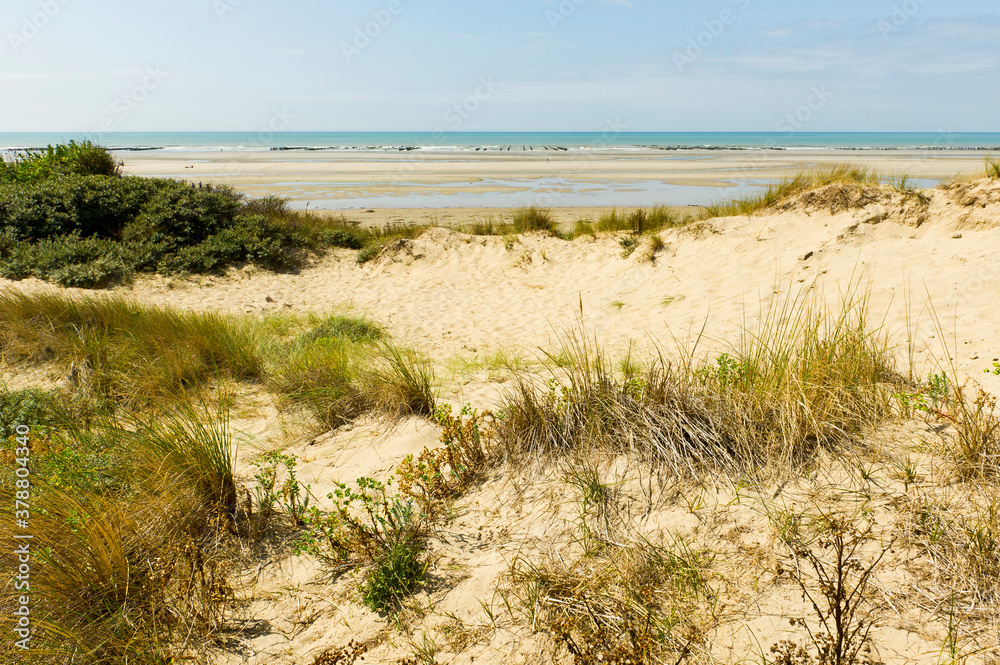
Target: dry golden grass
(805,378)
(843,174)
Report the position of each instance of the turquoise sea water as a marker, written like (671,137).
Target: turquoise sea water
(395,141)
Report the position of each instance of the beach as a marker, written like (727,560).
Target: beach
(493,318)
(494,180)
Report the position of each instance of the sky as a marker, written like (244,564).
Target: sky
(500,65)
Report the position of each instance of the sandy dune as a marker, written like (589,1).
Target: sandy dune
(454,295)
(451,293)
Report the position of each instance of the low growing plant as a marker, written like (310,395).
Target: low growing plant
(291,494)
(443,473)
(371,528)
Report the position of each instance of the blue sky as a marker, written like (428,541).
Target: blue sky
(500,65)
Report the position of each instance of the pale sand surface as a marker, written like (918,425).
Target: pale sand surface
(332,179)
(451,294)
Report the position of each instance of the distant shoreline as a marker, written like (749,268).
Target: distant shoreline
(493,142)
(438,179)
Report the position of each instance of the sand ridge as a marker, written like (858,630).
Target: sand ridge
(452,294)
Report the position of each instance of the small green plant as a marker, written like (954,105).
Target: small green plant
(995,371)
(787,525)
(293,496)
(395,573)
(265,491)
(728,371)
(906,470)
(368,527)
(629,244)
(443,473)
(933,398)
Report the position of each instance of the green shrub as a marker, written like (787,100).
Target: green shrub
(105,206)
(37,211)
(68,216)
(341,238)
(368,527)
(395,574)
(91,206)
(250,240)
(74,261)
(73,158)
(182,216)
(369,252)
(31,407)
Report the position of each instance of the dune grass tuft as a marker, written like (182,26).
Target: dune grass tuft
(992,168)
(128,353)
(522,220)
(138,570)
(842,174)
(639,221)
(637,603)
(347,328)
(526,220)
(806,377)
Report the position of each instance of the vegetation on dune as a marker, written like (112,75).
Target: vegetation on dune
(134,546)
(140,514)
(96,230)
(74,158)
(805,378)
(69,216)
(143,525)
(843,174)
(992,168)
(640,221)
(114,348)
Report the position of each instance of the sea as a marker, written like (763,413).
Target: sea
(507,141)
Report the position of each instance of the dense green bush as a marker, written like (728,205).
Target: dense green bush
(32,408)
(73,158)
(250,240)
(74,261)
(179,216)
(99,206)
(67,215)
